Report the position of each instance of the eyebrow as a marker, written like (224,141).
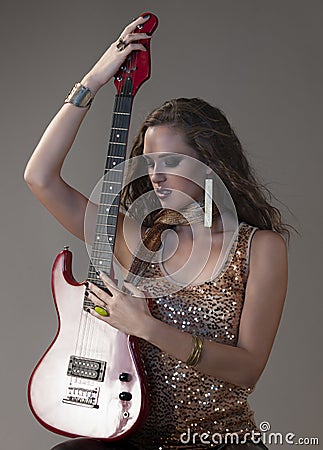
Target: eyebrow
(164,155)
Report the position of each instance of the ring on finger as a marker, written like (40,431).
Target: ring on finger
(102,311)
(121,44)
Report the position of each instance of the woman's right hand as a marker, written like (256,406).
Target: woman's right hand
(112,59)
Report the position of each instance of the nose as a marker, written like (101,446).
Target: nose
(157,176)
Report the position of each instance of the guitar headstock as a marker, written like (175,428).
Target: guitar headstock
(136,69)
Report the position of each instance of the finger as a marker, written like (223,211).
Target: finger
(109,283)
(96,300)
(135,37)
(99,306)
(131,47)
(98,291)
(133,25)
(137,292)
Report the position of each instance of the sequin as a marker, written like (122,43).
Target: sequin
(197,401)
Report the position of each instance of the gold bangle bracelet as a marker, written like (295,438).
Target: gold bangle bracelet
(195,354)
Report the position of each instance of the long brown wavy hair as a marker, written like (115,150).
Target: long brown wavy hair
(207,130)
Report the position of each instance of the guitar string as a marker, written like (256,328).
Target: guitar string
(89,334)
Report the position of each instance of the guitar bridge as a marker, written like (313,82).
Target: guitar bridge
(82,395)
(90,369)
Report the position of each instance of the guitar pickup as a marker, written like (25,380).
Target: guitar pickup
(90,369)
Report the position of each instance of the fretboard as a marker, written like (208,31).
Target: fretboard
(105,231)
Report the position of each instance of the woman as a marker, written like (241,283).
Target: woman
(223,321)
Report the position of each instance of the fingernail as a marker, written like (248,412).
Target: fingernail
(107,291)
(146,16)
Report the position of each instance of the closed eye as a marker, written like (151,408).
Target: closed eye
(149,161)
(172,161)
(169,161)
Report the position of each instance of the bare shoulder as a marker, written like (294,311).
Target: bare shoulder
(268,251)
(268,242)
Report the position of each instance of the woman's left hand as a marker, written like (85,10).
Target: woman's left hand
(127,313)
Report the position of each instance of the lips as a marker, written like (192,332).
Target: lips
(163,192)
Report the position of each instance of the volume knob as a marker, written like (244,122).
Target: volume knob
(127,396)
(124,376)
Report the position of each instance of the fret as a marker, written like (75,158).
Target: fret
(111,181)
(117,143)
(119,133)
(115,171)
(104,215)
(115,156)
(123,113)
(107,220)
(113,190)
(107,205)
(105,234)
(108,211)
(108,194)
(106,225)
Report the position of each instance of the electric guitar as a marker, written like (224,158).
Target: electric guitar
(91,381)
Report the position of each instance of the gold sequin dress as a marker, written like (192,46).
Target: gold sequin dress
(181,397)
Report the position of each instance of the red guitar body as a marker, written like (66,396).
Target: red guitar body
(85,406)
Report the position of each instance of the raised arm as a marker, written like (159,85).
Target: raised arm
(43,171)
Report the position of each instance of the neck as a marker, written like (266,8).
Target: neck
(198,228)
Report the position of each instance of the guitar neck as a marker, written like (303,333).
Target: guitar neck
(131,75)
(108,207)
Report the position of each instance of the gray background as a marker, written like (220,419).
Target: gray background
(260,61)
